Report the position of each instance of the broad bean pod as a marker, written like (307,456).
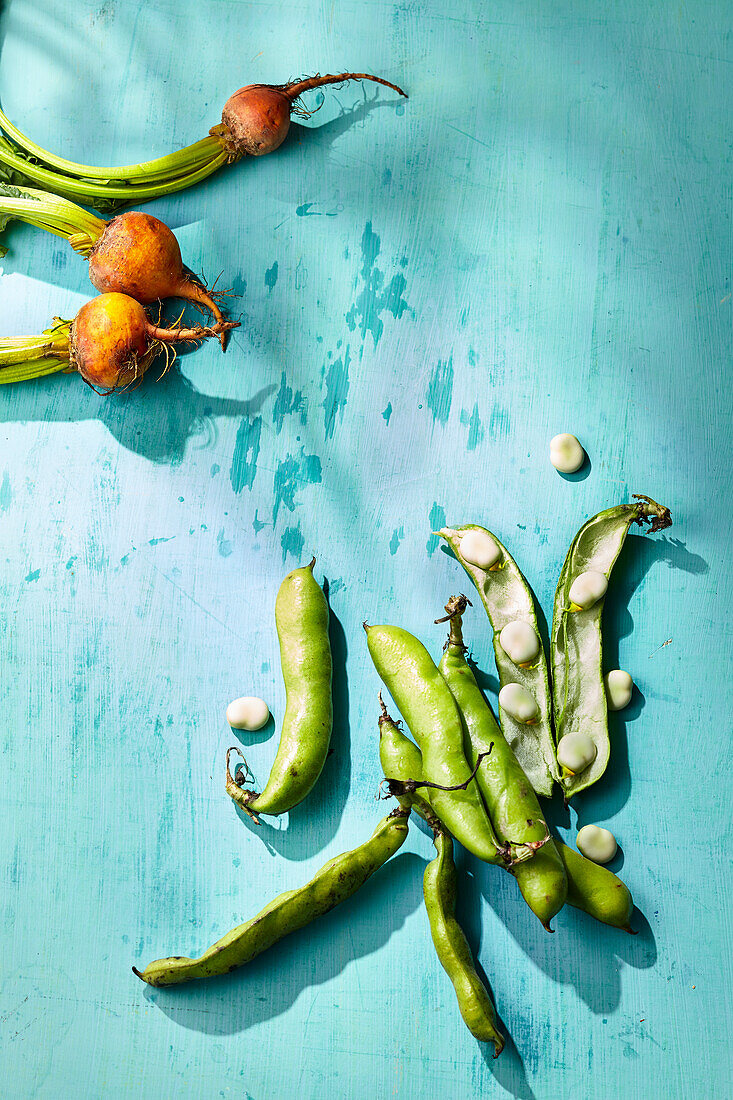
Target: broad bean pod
(422,695)
(579,694)
(302,618)
(451,945)
(336,881)
(507,600)
(507,793)
(596,890)
(401,762)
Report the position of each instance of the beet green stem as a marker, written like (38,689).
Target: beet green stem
(172,165)
(26,357)
(56,215)
(100,195)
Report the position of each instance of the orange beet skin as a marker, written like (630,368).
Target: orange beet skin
(109,341)
(139,255)
(256,119)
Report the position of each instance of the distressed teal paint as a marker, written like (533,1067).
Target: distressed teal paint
(397,536)
(292,542)
(375,298)
(440,390)
(271,276)
(337,391)
(246,452)
(286,403)
(550,208)
(436,519)
(6,493)
(475,430)
(223,544)
(291,476)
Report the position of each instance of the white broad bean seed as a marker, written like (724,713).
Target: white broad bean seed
(619,687)
(248,713)
(520,642)
(587,589)
(596,844)
(566,453)
(519,703)
(479,549)
(575,751)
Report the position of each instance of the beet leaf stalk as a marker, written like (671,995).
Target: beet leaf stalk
(56,215)
(25,357)
(255,121)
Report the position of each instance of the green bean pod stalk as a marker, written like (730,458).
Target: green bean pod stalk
(422,696)
(255,121)
(507,793)
(336,881)
(579,694)
(510,606)
(596,890)
(134,253)
(302,619)
(440,887)
(111,343)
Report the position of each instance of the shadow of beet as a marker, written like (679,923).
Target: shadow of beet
(272,982)
(156,420)
(315,141)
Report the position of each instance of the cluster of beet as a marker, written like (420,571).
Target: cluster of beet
(136,260)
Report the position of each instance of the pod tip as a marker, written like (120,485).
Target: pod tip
(547,927)
(136,971)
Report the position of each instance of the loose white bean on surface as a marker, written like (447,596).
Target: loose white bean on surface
(520,642)
(566,453)
(575,751)
(619,688)
(588,588)
(517,702)
(247,713)
(596,844)
(479,549)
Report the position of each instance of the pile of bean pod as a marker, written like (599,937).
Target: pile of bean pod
(473,779)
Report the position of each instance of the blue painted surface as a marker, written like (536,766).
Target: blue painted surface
(538,241)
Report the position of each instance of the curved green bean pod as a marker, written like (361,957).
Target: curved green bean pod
(596,890)
(336,881)
(422,695)
(451,945)
(301,617)
(507,598)
(509,798)
(579,695)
